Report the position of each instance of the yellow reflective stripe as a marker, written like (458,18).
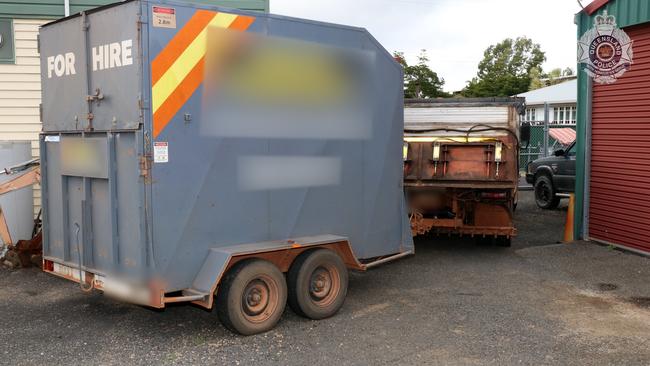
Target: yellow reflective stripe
(186,62)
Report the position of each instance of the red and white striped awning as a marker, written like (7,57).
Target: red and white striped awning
(565,136)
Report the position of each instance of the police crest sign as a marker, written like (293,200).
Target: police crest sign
(605,50)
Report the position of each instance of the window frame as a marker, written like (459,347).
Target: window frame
(531,114)
(12,60)
(565,114)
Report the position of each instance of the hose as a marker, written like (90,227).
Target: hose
(467,132)
(79,255)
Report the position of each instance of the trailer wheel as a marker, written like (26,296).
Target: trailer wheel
(318,284)
(252,297)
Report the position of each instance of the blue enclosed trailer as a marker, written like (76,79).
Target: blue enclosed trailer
(192,152)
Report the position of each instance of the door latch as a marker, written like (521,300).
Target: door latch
(97,97)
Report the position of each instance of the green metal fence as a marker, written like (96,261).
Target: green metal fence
(535,148)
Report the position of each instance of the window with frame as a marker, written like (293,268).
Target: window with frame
(565,115)
(531,114)
(7,53)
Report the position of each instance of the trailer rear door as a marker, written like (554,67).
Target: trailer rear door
(91,71)
(92,147)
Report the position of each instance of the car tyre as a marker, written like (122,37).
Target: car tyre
(545,195)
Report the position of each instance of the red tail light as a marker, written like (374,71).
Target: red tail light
(494,195)
(48,265)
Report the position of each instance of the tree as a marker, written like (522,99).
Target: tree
(506,69)
(419,80)
(555,76)
(535,79)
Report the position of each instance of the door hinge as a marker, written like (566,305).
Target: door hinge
(145,168)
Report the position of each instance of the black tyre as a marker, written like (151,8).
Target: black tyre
(252,297)
(318,284)
(545,196)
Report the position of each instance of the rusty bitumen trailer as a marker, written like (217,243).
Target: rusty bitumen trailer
(461,166)
(191,152)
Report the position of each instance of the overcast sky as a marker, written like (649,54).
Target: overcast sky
(454,32)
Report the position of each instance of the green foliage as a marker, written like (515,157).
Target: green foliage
(506,69)
(555,76)
(535,79)
(419,80)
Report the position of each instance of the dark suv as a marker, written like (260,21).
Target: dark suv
(552,175)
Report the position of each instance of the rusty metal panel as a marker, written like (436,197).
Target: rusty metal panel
(619,208)
(460,165)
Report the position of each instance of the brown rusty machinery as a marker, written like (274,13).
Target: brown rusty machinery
(23,253)
(461,166)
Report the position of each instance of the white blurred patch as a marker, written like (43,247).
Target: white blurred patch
(291,123)
(280,172)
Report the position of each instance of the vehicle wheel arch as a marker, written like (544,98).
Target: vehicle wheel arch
(543,170)
(214,269)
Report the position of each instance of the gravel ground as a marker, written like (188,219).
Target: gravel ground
(454,303)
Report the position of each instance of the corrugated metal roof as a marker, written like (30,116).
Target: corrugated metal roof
(627,13)
(595,5)
(566,92)
(48,9)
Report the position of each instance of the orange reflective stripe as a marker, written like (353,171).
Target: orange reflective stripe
(242,23)
(181,94)
(168,56)
(179,43)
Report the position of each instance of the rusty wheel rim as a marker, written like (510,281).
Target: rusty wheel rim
(324,285)
(260,299)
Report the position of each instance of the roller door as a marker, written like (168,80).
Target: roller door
(619,206)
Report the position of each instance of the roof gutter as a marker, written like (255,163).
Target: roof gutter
(594,6)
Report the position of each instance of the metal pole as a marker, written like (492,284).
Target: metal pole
(66,7)
(546,116)
(584,230)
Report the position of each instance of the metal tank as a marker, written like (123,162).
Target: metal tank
(191,151)
(18,206)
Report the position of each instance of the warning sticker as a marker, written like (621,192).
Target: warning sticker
(160,152)
(164,17)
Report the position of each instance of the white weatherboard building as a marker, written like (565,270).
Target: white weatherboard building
(562,101)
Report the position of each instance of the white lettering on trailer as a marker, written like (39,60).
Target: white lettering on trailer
(106,56)
(61,64)
(116,54)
